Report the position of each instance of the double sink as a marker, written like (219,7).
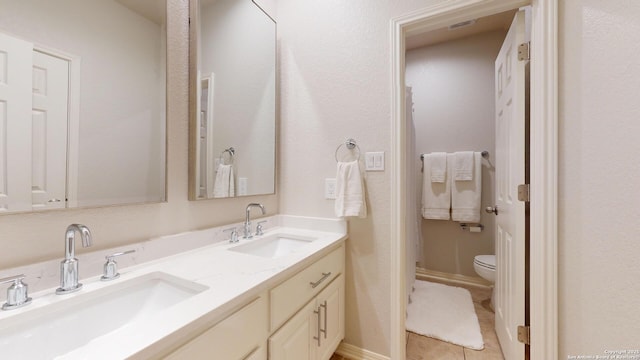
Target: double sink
(59,327)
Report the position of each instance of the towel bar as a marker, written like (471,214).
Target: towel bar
(231,152)
(350,144)
(485,154)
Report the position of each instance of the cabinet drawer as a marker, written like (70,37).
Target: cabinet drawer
(239,336)
(288,297)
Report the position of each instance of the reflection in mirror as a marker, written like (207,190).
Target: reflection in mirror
(82,103)
(233,96)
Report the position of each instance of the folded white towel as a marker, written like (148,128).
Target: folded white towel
(438,162)
(350,196)
(463,166)
(466,195)
(436,196)
(224,185)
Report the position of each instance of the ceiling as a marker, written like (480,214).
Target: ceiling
(500,21)
(154,10)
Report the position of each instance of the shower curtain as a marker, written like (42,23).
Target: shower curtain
(412,225)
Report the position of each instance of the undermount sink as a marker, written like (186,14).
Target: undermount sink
(274,245)
(61,327)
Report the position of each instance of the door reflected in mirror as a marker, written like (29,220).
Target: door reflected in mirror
(232,100)
(82,103)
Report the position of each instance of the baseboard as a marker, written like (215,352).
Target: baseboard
(432,275)
(355,353)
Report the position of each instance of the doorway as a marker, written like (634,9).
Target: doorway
(543,294)
(454,73)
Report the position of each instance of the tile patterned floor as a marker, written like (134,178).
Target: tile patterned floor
(425,348)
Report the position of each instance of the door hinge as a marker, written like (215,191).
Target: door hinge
(524,192)
(524,335)
(523,51)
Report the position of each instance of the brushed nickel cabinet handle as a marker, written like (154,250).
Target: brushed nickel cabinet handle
(323,278)
(324,305)
(317,312)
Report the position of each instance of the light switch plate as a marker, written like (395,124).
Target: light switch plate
(374,161)
(330,188)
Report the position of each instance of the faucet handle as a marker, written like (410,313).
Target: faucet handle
(111,266)
(260,228)
(234,234)
(17,293)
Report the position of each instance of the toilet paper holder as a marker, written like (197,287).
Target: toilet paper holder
(472,227)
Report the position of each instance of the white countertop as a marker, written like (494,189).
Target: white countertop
(232,278)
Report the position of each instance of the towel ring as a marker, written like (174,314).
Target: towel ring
(350,144)
(231,151)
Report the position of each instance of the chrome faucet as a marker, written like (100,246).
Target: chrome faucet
(247,223)
(69,266)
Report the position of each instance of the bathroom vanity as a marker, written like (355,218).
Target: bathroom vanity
(279,295)
(279,317)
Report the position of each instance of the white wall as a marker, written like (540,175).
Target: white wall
(122,148)
(453,103)
(238,46)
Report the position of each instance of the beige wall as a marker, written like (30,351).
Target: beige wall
(599,171)
(453,102)
(27,238)
(335,63)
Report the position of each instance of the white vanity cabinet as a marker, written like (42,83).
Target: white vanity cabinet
(240,336)
(315,331)
(301,318)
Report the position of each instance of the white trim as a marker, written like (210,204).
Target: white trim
(544,155)
(355,353)
(398,259)
(457,279)
(544,180)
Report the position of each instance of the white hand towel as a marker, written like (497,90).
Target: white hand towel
(224,184)
(436,197)
(466,195)
(438,162)
(232,182)
(463,166)
(350,196)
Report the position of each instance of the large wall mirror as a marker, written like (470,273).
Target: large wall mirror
(232,99)
(82,103)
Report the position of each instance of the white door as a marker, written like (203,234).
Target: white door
(49,131)
(15,124)
(510,172)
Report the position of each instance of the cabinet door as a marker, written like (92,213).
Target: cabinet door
(258,354)
(331,304)
(294,341)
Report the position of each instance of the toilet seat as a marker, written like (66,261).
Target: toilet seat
(485,261)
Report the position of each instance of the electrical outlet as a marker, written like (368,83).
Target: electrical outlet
(330,188)
(242,186)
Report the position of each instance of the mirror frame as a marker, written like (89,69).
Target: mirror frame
(194,16)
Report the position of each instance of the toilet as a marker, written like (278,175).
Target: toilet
(485,267)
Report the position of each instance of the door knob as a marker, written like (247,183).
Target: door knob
(492,209)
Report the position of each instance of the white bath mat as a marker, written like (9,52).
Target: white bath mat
(444,313)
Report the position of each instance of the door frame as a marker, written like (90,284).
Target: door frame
(543,162)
